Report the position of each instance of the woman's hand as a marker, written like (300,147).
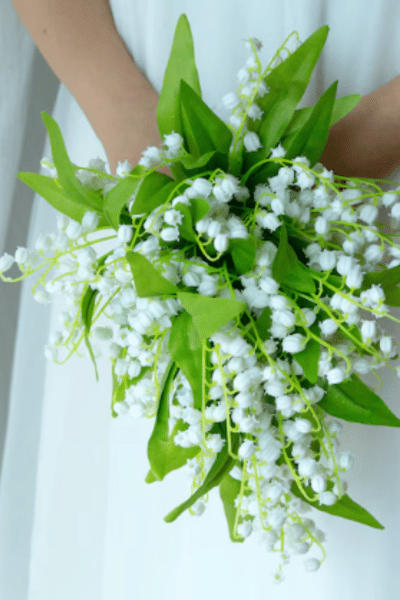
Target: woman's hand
(366,142)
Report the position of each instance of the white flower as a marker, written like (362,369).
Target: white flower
(318,483)
(255,112)
(247,449)
(245,529)
(327,498)
(90,220)
(386,344)
(346,460)
(251,141)
(6,262)
(278,151)
(174,142)
(202,187)
(293,343)
(336,375)
(312,564)
(345,264)
(230,100)
(368,330)
(395,212)
(125,233)
(327,260)
(368,213)
(170,234)
(151,156)
(354,278)
(321,225)
(373,253)
(328,326)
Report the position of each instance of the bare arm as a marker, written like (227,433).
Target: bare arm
(80,42)
(366,142)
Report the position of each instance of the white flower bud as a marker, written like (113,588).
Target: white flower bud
(346,460)
(293,343)
(247,449)
(6,262)
(354,278)
(368,213)
(251,141)
(318,483)
(328,498)
(385,344)
(312,564)
(245,529)
(335,375)
(368,330)
(327,260)
(321,226)
(306,467)
(328,326)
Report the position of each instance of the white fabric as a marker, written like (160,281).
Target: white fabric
(98,531)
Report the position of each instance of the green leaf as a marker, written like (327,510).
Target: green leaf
(203,130)
(48,189)
(300,278)
(386,277)
(287,82)
(243,252)
(392,296)
(311,140)
(263,324)
(186,227)
(229,489)
(341,108)
(164,456)
(309,357)
(69,182)
(118,391)
(354,401)
(345,507)
(223,464)
(188,359)
(117,198)
(192,165)
(148,281)
(153,190)
(210,314)
(181,65)
(285,258)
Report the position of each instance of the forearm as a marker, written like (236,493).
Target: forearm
(366,143)
(80,42)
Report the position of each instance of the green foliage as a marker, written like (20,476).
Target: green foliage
(309,357)
(229,489)
(223,464)
(288,270)
(287,82)
(148,281)
(210,314)
(345,507)
(354,401)
(164,456)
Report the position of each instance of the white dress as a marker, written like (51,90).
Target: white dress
(77,519)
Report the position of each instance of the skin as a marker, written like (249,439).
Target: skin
(82,46)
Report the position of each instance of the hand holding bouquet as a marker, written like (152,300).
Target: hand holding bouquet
(234,293)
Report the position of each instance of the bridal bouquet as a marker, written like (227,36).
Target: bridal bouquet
(243,293)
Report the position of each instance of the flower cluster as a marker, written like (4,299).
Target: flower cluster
(255,390)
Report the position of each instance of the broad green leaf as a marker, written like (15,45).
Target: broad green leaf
(229,489)
(309,357)
(285,258)
(341,108)
(48,189)
(243,252)
(118,391)
(345,507)
(387,277)
(223,464)
(300,278)
(311,140)
(392,296)
(188,359)
(151,192)
(164,456)
(181,65)
(148,281)
(186,227)
(204,131)
(354,401)
(210,314)
(117,198)
(87,308)
(199,207)
(192,165)
(69,182)
(287,83)
(263,324)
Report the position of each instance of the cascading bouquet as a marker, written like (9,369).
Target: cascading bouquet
(234,292)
